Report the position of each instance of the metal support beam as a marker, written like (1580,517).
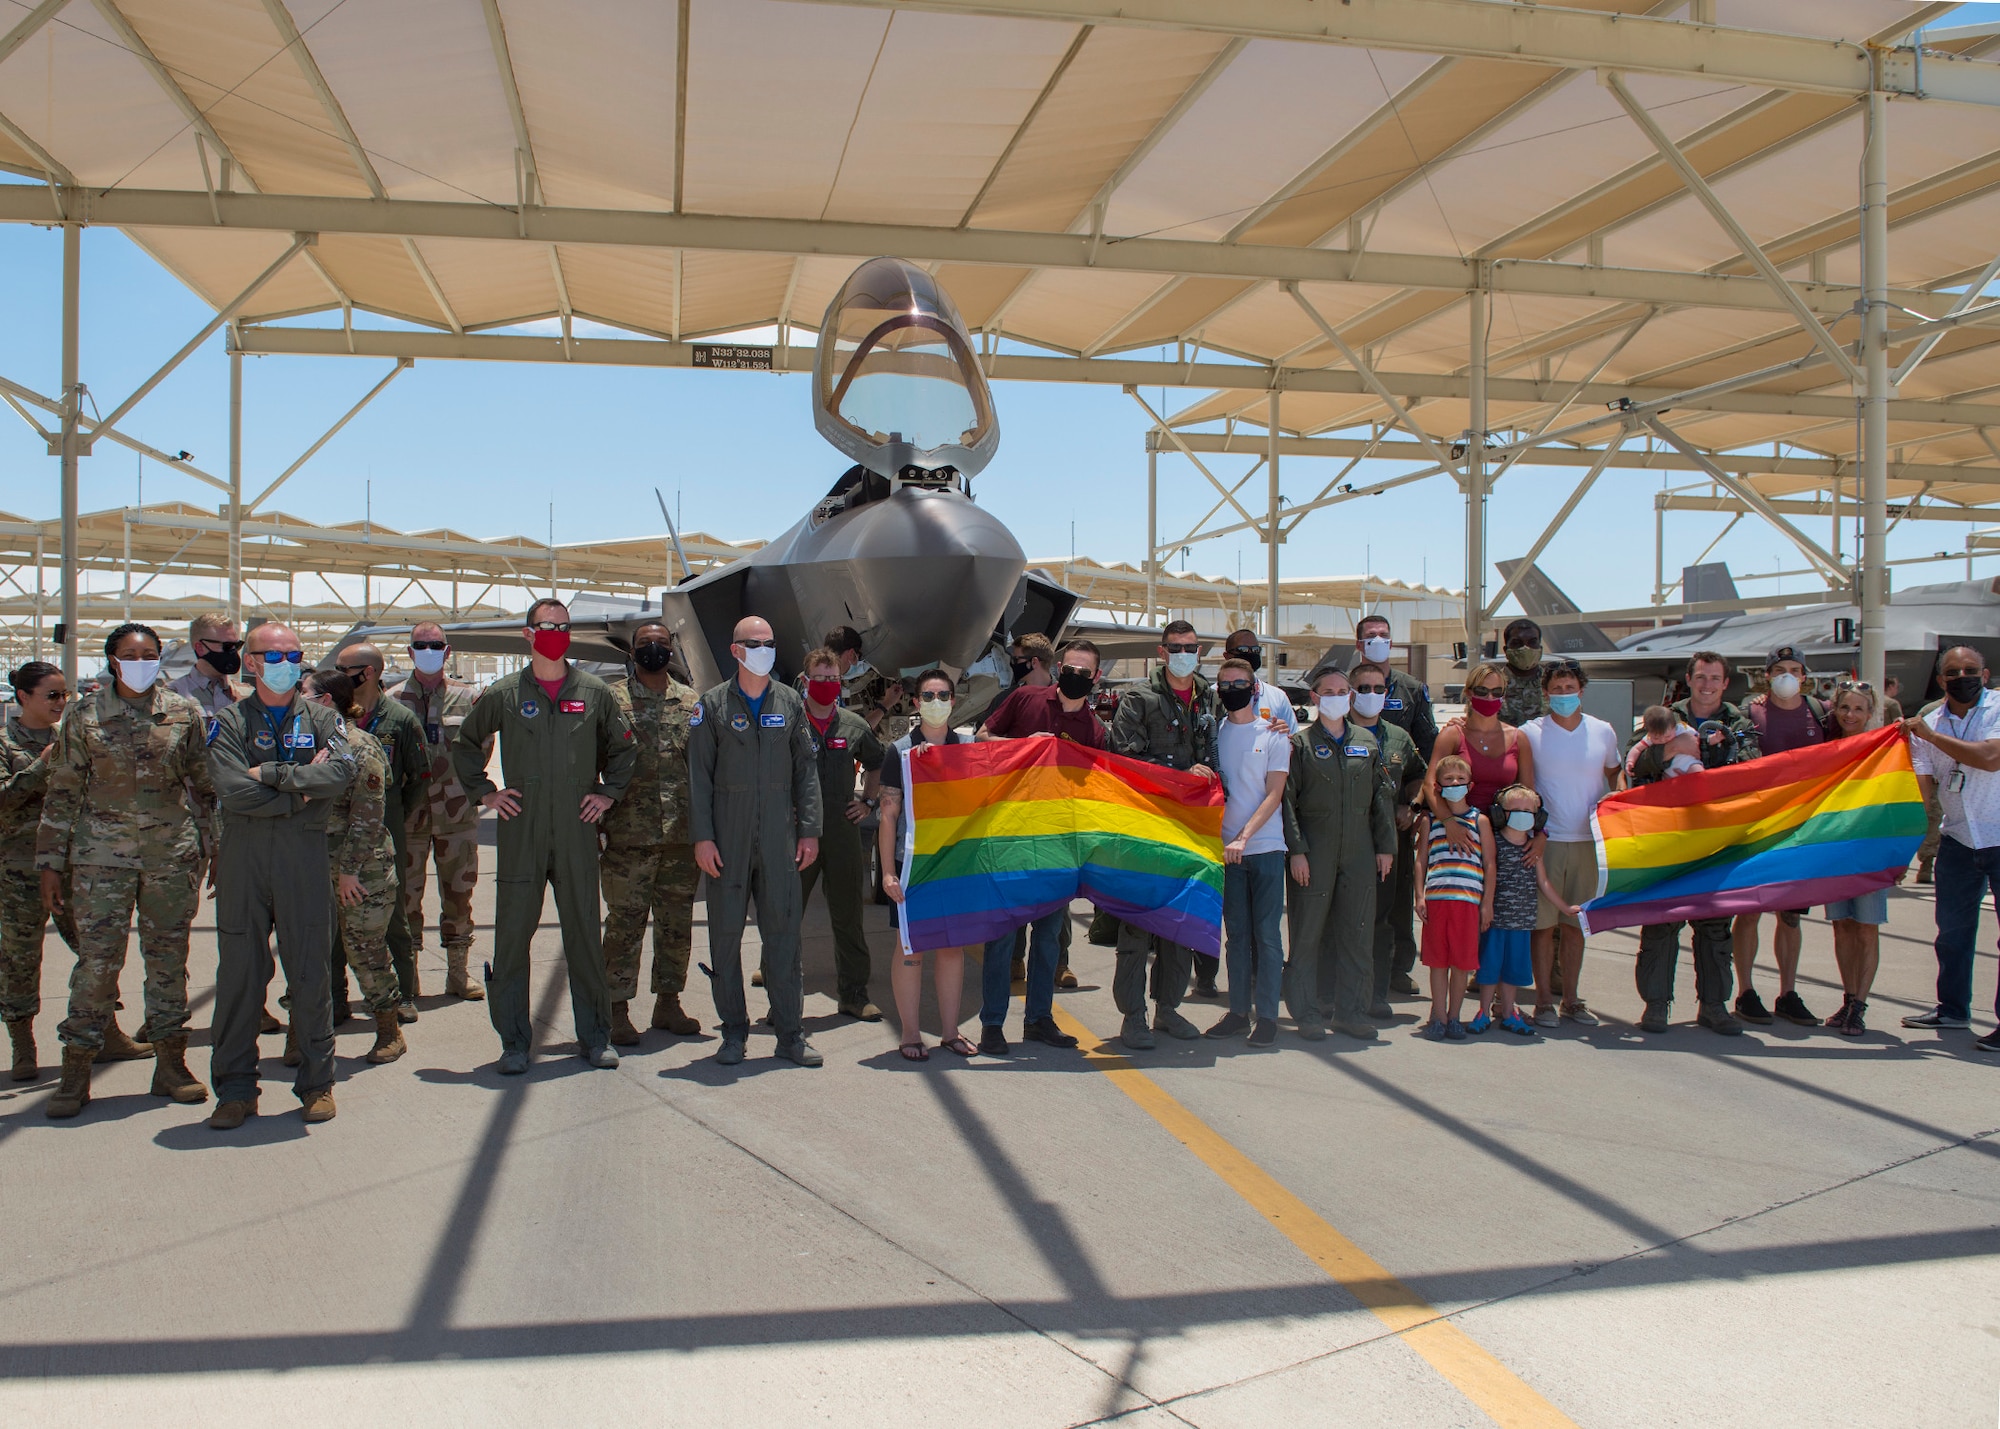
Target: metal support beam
(1832,571)
(15,394)
(331,432)
(1475,481)
(1874,552)
(1152,530)
(29,26)
(1375,383)
(1698,186)
(72,241)
(1549,532)
(1173,436)
(222,315)
(1273,532)
(235,510)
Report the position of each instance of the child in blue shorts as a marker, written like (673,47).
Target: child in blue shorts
(1505,963)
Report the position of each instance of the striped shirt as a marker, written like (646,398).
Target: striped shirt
(1451,876)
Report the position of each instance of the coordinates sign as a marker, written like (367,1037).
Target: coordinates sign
(732,357)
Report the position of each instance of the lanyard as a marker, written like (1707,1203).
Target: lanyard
(277,728)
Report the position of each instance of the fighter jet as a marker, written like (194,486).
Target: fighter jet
(897,548)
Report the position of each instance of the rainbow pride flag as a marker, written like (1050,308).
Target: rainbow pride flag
(1011,830)
(1791,830)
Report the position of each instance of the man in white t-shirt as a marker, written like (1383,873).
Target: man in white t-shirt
(1576,763)
(1255,754)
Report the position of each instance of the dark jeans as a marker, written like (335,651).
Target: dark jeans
(996,972)
(1963,876)
(1253,914)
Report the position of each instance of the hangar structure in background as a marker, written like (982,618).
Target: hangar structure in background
(1483,238)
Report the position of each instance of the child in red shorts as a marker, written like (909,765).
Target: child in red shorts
(1454,898)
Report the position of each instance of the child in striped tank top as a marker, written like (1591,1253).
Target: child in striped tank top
(1454,898)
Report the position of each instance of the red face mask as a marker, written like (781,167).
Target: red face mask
(1483,707)
(823,692)
(551,644)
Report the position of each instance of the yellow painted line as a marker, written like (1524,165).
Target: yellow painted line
(1475,1373)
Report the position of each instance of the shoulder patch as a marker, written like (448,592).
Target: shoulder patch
(214,728)
(700,712)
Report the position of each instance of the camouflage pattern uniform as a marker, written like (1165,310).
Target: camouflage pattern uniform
(442,821)
(1523,700)
(358,844)
(24,775)
(128,780)
(648,862)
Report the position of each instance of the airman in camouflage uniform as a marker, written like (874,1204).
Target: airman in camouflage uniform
(443,823)
(362,855)
(128,797)
(24,776)
(1521,643)
(648,863)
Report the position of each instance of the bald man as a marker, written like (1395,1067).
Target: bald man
(754,814)
(278,761)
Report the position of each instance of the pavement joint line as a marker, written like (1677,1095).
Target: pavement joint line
(1465,1364)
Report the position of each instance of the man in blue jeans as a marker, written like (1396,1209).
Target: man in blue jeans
(1956,751)
(1061,711)
(1254,755)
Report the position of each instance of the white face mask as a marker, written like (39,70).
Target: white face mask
(1183,663)
(1376,648)
(428,662)
(760,660)
(936,714)
(1368,703)
(1334,706)
(1784,686)
(138,674)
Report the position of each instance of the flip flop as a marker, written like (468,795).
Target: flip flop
(915,1052)
(959,1047)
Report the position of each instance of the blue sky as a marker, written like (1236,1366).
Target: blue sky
(488,448)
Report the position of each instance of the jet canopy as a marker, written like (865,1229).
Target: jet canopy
(896,383)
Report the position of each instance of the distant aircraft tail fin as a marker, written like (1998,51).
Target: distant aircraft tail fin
(1709,582)
(1540,597)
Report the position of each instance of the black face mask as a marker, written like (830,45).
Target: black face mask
(224,662)
(1964,688)
(1252,653)
(652,656)
(1235,699)
(1021,668)
(1074,684)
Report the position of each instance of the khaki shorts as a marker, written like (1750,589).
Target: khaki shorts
(1572,870)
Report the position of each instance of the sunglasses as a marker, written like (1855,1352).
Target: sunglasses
(1371,689)
(549,625)
(1233,685)
(1486,692)
(428,645)
(279,657)
(220,646)
(1184,649)
(1074,670)
(757,644)
(356,673)
(57,695)
(932,697)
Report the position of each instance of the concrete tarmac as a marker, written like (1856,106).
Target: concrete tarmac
(1598,1228)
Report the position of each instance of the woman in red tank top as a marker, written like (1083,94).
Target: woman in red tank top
(1499,756)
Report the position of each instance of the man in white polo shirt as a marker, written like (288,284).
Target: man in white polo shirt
(1956,751)
(1576,763)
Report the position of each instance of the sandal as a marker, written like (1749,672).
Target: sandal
(958,1047)
(916,1052)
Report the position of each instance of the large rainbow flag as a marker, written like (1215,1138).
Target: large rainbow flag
(1010,830)
(1791,830)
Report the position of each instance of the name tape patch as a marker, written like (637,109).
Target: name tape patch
(771,721)
(569,706)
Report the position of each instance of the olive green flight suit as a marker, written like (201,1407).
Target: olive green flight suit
(401,735)
(552,753)
(753,791)
(271,876)
(847,739)
(1403,768)
(1339,814)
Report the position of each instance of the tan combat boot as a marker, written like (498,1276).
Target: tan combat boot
(120,1048)
(389,1043)
(623,1033)
(23,1034)
(171,1077)
(74,1094)
(318,1106)
(230,1115)
(293,1056)
(457,982)
(668,1017)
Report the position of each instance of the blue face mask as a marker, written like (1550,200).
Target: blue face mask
(281,678)
(1522,819)
(1565,705)
(1183,663)
(1454,793)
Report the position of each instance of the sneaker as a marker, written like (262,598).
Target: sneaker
(1936,1017)
(1233,1024)
(604,1057)
(1990,1042)
(1477,1027)
(1519,1026)
(1264,1033)
(730,1052)
(1580,1014)
(1792,1008)
(1716,1018)
(512,1064)
(1547,1016)
(1454,1031)
(1750,1008)
(1854,1026)
(1403,985)
(1435,1031)
(993,1042)
(800,1051)
(1135,1034)
(1657,1017)
(1169,1021)
(1044,1030)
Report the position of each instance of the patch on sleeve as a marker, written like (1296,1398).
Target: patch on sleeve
(696,718)
(214,728)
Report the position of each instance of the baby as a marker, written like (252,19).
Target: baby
(1679,749)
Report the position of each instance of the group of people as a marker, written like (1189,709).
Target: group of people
(313,803)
